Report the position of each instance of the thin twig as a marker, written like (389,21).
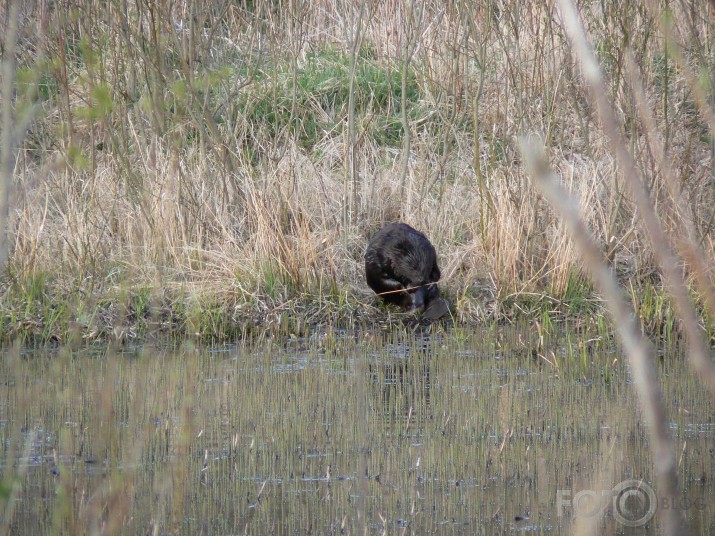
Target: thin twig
(406,289)
(662,248)
(638,350)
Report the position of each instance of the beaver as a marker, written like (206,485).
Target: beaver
(401,266)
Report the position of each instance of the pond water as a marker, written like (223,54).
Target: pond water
(481,432)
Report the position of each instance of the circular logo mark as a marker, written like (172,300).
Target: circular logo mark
(634,503)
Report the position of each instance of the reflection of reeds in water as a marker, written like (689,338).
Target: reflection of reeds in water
(465,434)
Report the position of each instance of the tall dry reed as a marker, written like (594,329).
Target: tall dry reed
(243,153)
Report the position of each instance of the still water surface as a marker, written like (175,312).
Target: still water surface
(344,433)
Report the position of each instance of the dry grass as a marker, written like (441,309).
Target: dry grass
(214,158)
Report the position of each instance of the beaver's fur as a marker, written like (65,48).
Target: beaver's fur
(399,257)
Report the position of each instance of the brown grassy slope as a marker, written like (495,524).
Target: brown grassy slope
(156,163)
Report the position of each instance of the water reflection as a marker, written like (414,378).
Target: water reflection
(402,373)
(347,432)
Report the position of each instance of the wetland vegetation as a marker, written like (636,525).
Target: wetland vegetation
(190,346)
(216,171)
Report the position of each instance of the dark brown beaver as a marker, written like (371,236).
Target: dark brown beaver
(400,258)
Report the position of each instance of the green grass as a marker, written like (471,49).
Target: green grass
(309,101)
